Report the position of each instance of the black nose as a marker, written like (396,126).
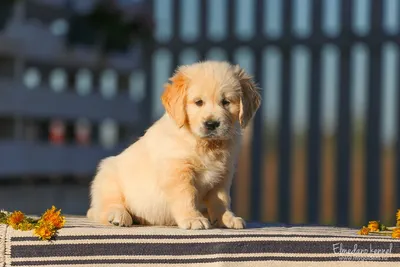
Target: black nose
(211,125)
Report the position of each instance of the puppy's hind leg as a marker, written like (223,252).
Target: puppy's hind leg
(107,201)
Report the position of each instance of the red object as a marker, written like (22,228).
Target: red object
(83,132)
(57,132)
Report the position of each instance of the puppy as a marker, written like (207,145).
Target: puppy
(180,172)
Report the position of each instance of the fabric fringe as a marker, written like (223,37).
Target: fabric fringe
(3,229)
(7,241)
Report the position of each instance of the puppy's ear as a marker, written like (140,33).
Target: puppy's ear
(174,98)
(250,100)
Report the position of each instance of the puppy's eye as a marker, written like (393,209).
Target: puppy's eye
(199,103)
(225,102)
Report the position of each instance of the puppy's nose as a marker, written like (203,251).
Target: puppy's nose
(211,125)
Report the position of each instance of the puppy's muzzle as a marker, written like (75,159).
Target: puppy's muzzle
(211,125)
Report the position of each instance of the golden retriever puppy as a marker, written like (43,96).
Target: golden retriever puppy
(180,172)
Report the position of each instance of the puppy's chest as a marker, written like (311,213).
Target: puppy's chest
(214,168)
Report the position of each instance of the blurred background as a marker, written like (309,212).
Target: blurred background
(81,80)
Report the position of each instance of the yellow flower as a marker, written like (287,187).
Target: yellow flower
(54,217)
(45,231)
(373,226)
(398,218)
(364,231)
(396,233)
(15,219)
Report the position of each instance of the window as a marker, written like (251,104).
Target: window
(108,83)
(108,135)
(59,27)
(273,18)
(162,70)
(244,19)
(32,78)
(58,80)
(217,19)
(217,53)
(188,56)
(163,18)
(189,24)
(83,82)
(137,86)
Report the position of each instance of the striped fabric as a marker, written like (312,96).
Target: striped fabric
(82,243)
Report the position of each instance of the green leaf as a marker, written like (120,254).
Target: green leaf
(382,227)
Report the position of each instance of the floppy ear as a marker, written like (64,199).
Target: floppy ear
(250,100)
(174,98)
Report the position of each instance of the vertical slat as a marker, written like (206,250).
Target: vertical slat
(231,31)
(19,67)
(285,143)
(203,38)
(257,148)
(397,173)
(146,105)
(230,7)
(343,135)
(177,36)
(398,127)
(176,20)
(314,135)
(373,159)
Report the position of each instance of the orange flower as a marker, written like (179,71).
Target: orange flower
(398,215)
(373,226)
(364,231)
(45,228)
(45,231)
(54,217)
(15,219)
(396,233)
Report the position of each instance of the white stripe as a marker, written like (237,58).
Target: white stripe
(198,240)
(153,230)
(211,256)
(87,232)
(245,264)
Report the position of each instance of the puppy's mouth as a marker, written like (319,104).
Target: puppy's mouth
(210,135)
(214,134)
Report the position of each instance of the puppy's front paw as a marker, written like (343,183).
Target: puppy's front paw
(231,221)
(195,223)
(120,217)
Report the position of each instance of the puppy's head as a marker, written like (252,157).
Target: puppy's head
(209,98)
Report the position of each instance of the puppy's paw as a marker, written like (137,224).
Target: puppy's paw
(195,223)
(229,220)
(90,214)
(119,217)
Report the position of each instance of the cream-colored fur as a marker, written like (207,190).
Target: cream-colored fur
(180,172)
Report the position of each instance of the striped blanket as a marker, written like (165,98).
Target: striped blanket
(82,243)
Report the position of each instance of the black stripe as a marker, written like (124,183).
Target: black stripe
(216,259)
(71,250)
(150,237)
